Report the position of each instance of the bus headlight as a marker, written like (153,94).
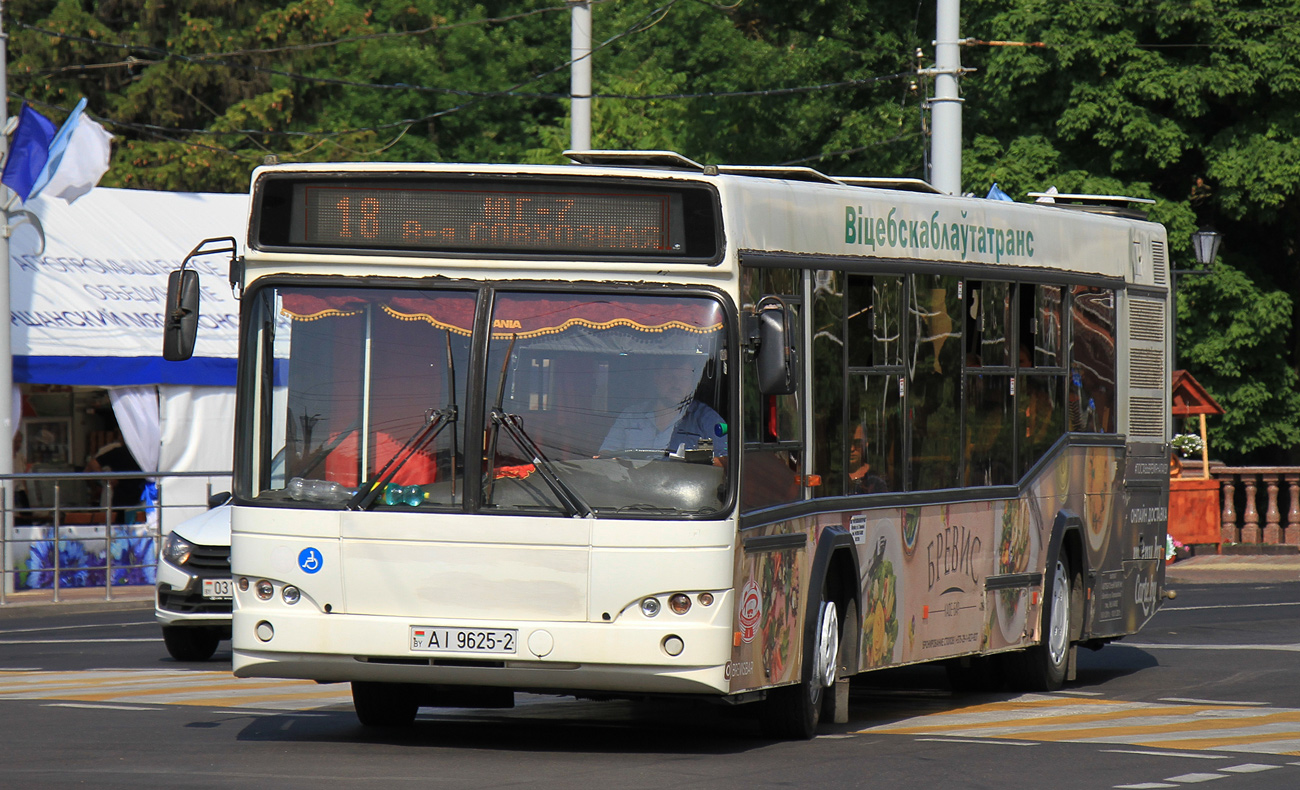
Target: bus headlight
(680,603)
(290,594)
(265,590)
(650,606)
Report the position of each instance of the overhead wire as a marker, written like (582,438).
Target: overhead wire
(642,24)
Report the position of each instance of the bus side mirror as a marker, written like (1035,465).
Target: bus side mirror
(182,321)
(778,363)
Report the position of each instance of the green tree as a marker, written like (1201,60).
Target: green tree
(1190,102)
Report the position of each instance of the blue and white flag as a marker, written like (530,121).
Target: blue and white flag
(28,152)
(78,157)
(996,193)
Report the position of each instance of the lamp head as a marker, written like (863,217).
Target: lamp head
(1206,244)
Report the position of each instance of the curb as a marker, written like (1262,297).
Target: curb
(1234,568)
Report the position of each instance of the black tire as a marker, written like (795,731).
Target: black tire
(1044,666)
(974,674)
(190,643)
(793,712)
(384,704)
(847,661)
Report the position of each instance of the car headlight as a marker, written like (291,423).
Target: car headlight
(176,549)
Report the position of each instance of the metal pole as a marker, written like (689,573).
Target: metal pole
(55,552)
(945,107)
(108,545)
(6,351)
(580,78)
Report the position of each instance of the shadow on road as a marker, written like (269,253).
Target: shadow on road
(566,725)
(542,725)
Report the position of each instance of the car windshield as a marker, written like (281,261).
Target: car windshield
(592,405)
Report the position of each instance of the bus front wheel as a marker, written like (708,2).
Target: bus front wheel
(792,712)
(384,704)
(1045,664)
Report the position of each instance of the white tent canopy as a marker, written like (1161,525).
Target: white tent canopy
(87,305)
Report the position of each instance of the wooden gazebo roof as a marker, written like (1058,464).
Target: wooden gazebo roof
(1190,398)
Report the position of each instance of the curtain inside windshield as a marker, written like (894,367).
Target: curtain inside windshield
(606,404)
(372,385)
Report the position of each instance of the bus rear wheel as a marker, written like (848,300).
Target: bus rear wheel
(793,712)
(384,704)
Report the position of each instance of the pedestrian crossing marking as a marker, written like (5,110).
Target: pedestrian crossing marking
(1051,719)
(173,687)
(1127,712)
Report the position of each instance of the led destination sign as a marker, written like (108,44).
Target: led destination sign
(465,216)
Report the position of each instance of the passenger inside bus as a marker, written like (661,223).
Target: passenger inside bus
(671,418)
(861,479)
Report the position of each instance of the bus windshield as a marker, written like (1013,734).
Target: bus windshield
(592,404)
(620,400)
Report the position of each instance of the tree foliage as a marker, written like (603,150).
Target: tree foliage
(1190,102)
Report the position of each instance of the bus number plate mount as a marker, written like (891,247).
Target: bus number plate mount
(441,638)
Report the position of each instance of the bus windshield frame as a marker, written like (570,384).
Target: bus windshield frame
(547,415)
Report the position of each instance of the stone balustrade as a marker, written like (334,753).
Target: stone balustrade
(1254,481)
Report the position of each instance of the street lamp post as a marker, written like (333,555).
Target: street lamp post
(1205,243)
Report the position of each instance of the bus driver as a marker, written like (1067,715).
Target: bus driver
(671,418)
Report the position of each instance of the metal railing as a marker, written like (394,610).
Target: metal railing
(54,545)
(1256,481)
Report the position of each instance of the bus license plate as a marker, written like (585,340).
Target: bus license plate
(464,640)
(218,589)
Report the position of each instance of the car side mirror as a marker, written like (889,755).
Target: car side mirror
(181,325)
(217,500)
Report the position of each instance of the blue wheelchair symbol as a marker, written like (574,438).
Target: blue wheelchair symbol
(309,560)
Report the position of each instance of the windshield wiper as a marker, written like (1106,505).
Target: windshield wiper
(435,421)
(565,493)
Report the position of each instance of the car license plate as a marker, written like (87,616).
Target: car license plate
(464,640)
(218,589)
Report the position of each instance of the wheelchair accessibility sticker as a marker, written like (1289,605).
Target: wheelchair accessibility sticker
(309,560)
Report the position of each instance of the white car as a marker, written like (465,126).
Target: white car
(194,594)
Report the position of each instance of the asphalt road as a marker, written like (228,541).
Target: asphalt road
(1207,693)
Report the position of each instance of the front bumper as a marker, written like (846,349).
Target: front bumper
(178,598)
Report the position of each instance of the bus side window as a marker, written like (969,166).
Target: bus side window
(773,424)
(989,407)
(827,361)
(934,391)
(1092,360)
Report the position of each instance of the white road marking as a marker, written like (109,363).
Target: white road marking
(1079,693)
(1159,726)
(1150,753)
(1144,786)
(45,629)
(1196,778)
(1293,648)
(977,740)
(95,707)
(78,641)
(1249,768)
(1226,606)
(1195,701)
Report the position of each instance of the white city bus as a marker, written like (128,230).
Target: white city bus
(638,426)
